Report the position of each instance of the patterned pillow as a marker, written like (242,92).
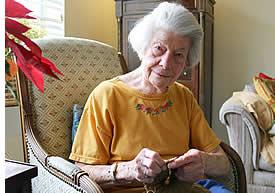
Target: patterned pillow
(77,112)
(266,89)
(264,76)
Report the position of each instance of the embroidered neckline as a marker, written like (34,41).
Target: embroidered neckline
(154,111)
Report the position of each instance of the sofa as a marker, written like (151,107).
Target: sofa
(247,138)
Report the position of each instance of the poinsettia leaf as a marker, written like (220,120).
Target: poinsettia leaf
(23,56)
(13,26)
(28,56)
(31,45)
(33,74)
(42,67)
(28,71)
(19,51)
(27,62)
(17,10)
(51,65)
(42,64)
(39,63)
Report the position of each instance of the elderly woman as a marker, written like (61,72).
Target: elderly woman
(132,123)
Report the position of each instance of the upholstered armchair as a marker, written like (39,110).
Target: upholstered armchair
(47,118)
(245,137)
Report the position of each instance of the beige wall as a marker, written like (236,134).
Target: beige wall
(91,19)
(244,43)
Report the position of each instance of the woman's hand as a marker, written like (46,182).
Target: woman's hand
(190,166)
(146,165)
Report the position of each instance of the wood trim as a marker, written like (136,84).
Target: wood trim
(22,119)
(241,178)
(122,63)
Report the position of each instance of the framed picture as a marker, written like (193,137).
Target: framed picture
(11,98)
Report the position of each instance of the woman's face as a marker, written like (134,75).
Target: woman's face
(165,58)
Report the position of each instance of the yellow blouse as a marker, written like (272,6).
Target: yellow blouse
(118,121)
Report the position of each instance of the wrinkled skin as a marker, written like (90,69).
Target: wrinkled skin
(147,165)
(190,166)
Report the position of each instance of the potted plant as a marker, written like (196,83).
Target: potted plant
(20,51)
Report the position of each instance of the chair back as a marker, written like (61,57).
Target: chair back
(84,63)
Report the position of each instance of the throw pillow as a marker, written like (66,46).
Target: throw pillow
(77,112)
(266,89)
(264,76)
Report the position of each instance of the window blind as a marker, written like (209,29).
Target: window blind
(49,14)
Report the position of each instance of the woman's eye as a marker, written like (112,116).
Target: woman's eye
(158,47)
(179,57)
(157,50)
(179,54)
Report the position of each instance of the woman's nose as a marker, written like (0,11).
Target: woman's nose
(166,60)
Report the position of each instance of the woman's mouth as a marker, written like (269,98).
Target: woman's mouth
(161,74)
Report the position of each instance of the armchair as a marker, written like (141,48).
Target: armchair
(245,137)
(47,118)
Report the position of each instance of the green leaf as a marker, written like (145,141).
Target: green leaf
(9,87)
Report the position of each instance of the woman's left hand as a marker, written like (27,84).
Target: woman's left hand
(190,166)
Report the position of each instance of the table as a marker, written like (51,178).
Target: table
(18,176)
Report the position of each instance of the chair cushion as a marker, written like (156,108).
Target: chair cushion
(77,112)
(263,165)
(264,178)
(266,89)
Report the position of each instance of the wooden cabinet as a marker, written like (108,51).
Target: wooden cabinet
(197,78)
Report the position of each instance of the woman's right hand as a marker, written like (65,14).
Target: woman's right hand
(146,165)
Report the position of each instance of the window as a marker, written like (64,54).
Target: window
(49,14)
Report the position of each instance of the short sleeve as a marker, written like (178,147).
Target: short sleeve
(93,136)
(202,137)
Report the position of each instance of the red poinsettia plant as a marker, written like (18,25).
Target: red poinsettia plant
(21,51)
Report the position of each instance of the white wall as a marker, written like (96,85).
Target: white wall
(13,134)
(244,44)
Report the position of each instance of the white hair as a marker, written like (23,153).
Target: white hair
(168,17)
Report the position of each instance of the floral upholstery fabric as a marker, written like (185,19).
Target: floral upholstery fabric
(84,63)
